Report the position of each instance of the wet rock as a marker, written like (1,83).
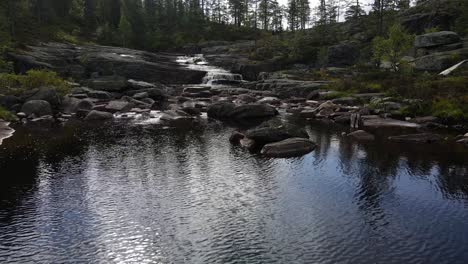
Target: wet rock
(95,115)
(291,147)
(118,106)
(246,98)
(191,110)
(417,138)
(264,135)
(328,105)
(269,100)
(248,144)
(41,122)
(139,85)
(361,135)
(139,96)
(101,95)
(308,113)
(85,104)
(196,89)
(252,111)
(48,94)
(236,137)
(177,118)
(377,122)
(157,94)
(221,110)
(425,119)
(37,108)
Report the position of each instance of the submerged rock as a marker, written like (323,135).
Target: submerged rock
(417,138)
(361,135)
(291,147)
(378,122)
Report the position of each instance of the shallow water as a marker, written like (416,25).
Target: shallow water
(143,194)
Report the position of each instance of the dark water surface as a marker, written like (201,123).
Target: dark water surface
(141,194)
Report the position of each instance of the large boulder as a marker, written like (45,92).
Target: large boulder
(264,135)
(48,94)
(220,110)
(37,108)
(292,147)
(343,54)
(436,39)
(252,111)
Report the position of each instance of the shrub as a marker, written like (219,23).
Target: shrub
(448,110)
(6,115)
(12,83)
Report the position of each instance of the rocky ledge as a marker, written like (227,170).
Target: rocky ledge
(87,62)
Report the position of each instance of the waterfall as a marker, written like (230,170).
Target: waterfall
(214,75)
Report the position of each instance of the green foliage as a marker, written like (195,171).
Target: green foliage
(16,84)
(393,47)
(6,115)
(449,110)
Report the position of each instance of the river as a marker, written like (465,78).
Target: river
(136,192)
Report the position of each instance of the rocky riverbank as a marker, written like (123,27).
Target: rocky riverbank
(120,84)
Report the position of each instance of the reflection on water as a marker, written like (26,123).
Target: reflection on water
(139,194)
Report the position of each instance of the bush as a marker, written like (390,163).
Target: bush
(449,110)
(6,115)
(16,84)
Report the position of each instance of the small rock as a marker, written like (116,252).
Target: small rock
(98,115)
(236,137)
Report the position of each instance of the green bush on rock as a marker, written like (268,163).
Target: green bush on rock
(17,84)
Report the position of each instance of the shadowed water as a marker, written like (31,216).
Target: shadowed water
(143,194)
